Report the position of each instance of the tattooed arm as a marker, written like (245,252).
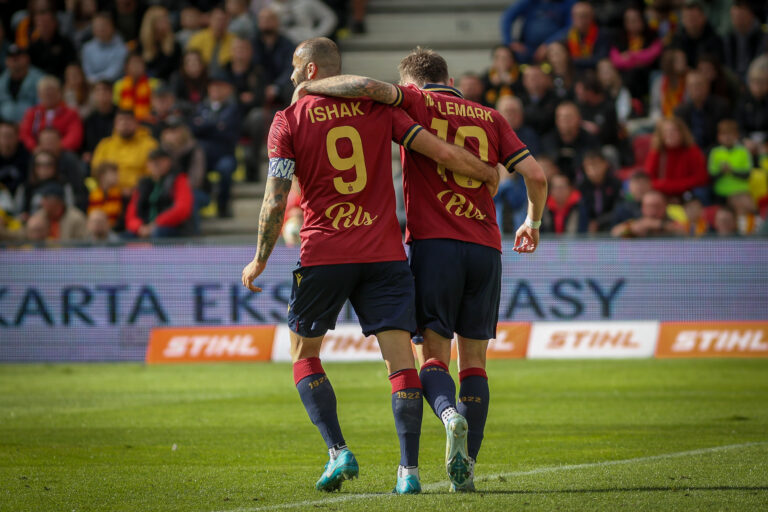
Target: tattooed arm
(270,225)
(350,86)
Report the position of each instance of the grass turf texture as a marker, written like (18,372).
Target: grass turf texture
(235,437)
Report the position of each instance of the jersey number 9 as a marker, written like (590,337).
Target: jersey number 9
(356,159)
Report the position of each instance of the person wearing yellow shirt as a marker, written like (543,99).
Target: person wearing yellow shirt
(128,147)
(215,42)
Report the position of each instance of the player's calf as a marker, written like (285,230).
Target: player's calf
(407,408)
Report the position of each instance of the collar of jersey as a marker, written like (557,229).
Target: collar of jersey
(443,88)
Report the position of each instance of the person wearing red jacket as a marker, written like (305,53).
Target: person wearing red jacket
(51,111)
(675,163)
(565,212)
(161,205)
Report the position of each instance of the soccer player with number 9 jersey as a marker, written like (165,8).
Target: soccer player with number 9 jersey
(351,247)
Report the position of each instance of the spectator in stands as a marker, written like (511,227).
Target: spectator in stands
(188,158)
(216,126)
(128,147)
(215,42)
(190,21)
(600,191)
(75,90)
(69,168)
(725,222)
(106,196)
(190,83)
(471,87)
(14,163)
(246,77)
(630,205)
(701,111)
(723,82)
(746,40)
(637,50)
(539,99)
(653,220)
(99,123)
(540,19)
(730,163)
(503,77)
(161,205)
(82,14)
(587,43)
(164,110)
(696,35)
(157,45)
(37,228)
(675,163)
(104,55)
(567,144)
(98,228)
(563,73)
(305,19)
(127,15)
(753,109)
(50,51)
(242,23)
(747,220)
(272,53)
(65,222)
(511,199)
(598,112)
(44,170)
(564,213)
(668,89)
(695,224)
(51,111)
(134,90)
(613,85)
(18,84)
(511,108)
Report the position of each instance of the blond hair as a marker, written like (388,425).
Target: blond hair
(147,34)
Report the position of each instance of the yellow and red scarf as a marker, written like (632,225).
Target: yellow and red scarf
(671,97)
(578,48)
(136,96)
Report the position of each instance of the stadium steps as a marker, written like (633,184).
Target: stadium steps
(246,204)
(463,32)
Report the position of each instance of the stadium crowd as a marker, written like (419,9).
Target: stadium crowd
(131,119)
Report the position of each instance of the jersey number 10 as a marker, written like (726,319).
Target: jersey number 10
(462,132)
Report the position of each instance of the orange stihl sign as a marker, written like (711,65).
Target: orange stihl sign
(713,339)
(197,344)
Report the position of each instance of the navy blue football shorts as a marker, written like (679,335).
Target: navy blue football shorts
(382,294)
(458,287)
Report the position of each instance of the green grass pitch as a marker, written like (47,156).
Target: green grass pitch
(561,435)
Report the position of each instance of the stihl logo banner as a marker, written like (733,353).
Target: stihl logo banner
(511,341)
(345,343)
(210,344)
(713,339)
(593,339)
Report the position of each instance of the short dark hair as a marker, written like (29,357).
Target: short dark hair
(323,52)
(423,66)
(8,122)
(125,112)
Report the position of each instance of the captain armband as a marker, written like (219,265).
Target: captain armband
(281,168)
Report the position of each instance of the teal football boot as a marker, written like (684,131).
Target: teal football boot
(456,460)
(407,481)
(343,467)
(469,482)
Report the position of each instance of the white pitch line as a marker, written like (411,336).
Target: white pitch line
(536,471)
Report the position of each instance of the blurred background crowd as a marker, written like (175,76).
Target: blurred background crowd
(132,119)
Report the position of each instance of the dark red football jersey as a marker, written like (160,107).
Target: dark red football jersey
(342,151)
(439,203)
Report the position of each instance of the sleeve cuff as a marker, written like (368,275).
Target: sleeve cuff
(409,135)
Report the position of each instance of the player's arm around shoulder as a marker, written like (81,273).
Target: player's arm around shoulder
(455,158)
(351,86)
(527,236)
(271,217)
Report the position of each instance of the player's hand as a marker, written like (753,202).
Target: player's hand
(251,272)
(526,239)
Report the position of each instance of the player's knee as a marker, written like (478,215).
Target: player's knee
(472,353)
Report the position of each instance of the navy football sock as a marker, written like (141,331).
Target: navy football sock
(439,388)
(408,408)
(473,405)
(318,398)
